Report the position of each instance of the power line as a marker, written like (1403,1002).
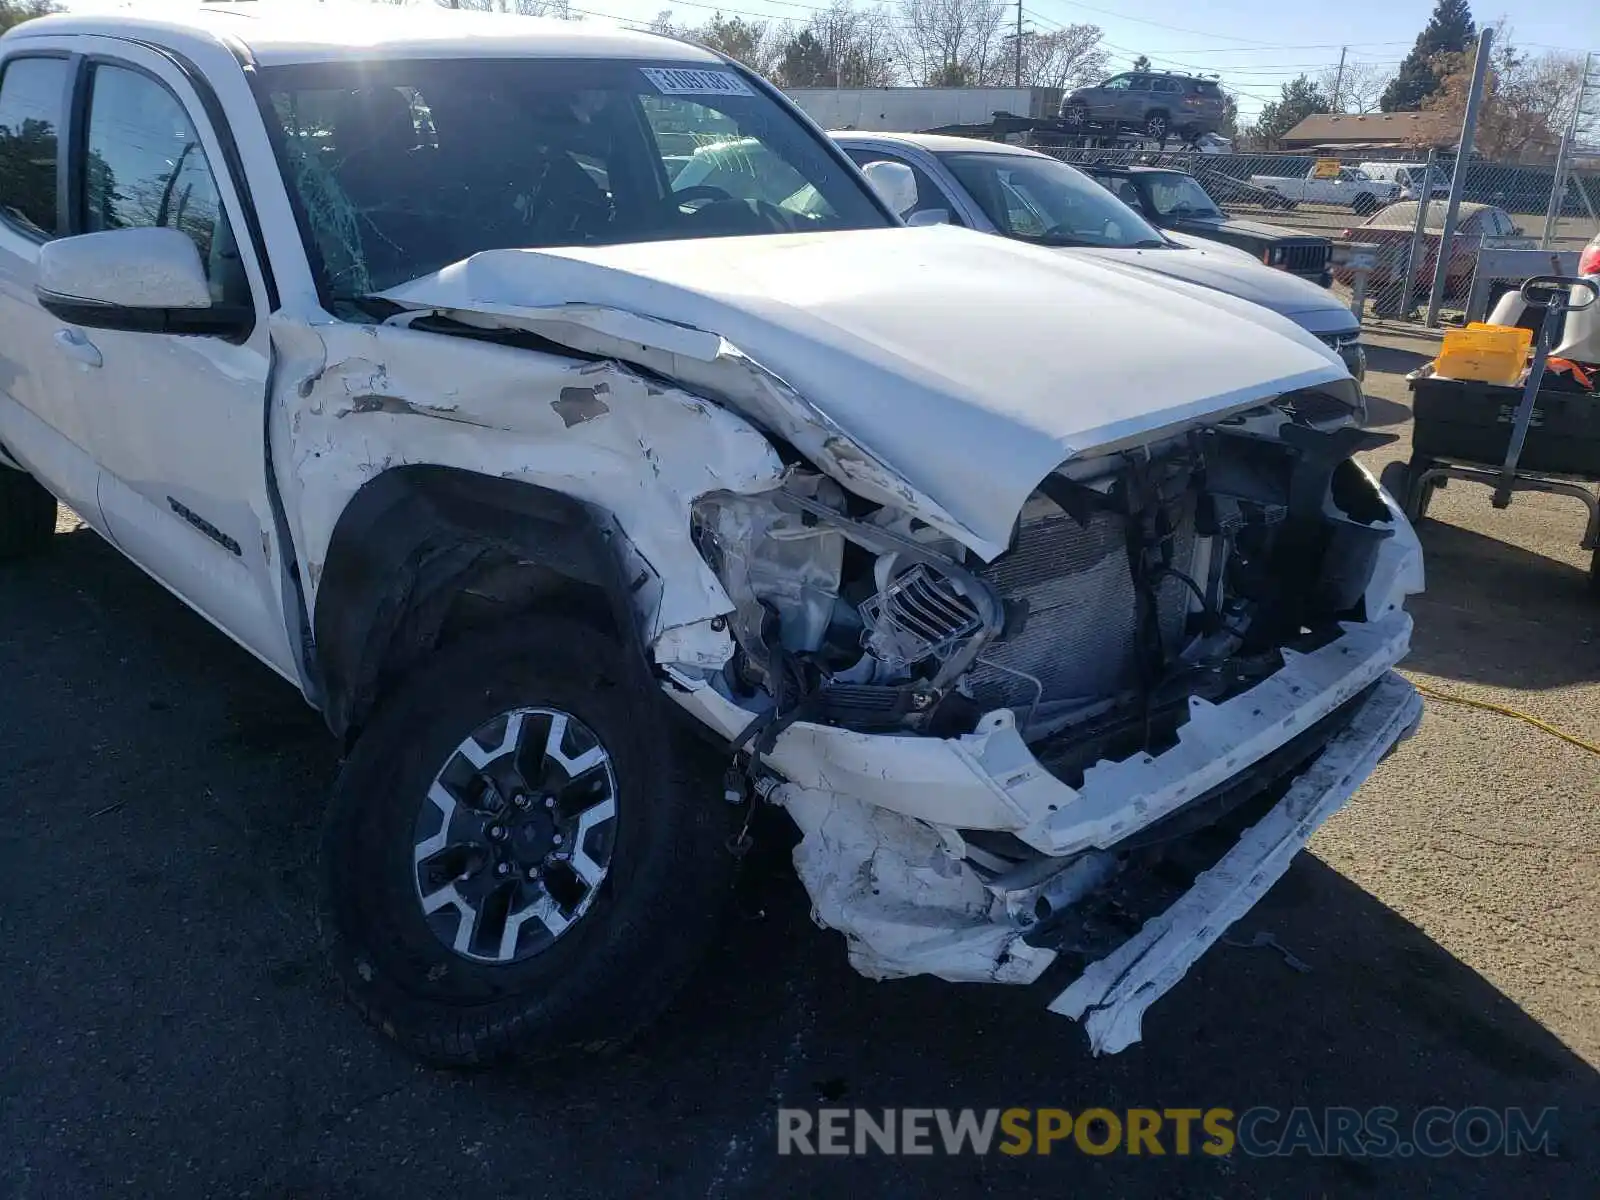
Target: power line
(1175,28)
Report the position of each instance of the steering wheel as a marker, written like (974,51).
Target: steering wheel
(700,191)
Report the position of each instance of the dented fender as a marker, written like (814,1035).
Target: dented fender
(353,402)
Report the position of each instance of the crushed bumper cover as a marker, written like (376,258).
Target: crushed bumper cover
(907,903)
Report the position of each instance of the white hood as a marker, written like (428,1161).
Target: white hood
(1236,272)
(968,365)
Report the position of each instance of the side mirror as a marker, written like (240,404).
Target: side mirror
(895,183)
(929,216)
(144,280)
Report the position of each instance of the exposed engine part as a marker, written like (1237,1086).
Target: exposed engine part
(777,565)
(920,615)
(1172,573)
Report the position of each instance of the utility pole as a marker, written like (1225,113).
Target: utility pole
(1338,79)
(1019,43)
(1469,123)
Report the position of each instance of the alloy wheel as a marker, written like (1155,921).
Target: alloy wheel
(515,835)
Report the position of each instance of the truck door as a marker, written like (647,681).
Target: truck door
(179,420)
(42,422)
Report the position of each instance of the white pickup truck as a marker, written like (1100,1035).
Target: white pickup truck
(1351,188)
(1041,594)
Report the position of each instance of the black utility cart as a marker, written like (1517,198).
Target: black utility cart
(1543,436)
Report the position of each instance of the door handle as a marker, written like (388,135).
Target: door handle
(79,348)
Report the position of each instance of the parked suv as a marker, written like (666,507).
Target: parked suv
(1029,586)
(1156,103)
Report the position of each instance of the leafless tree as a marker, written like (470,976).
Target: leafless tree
(952,42)
(560,9)
(15,12)
(1528,101)
(1358,89)
(1063,58)
(860,43)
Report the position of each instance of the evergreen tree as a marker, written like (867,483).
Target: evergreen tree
(1450,30)
(1297,100)
(1142,63)
(806,62)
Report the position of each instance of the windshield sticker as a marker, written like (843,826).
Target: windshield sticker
(681,81)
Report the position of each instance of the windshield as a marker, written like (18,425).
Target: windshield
(1176,195)
(1041,200)
(402,168)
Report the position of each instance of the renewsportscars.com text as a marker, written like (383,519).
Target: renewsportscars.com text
(1256,1132)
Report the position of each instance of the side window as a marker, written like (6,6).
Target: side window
(929,193)
(1122,188)
(145,167)
(1118,84)
(32,93)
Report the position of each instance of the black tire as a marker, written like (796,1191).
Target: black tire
(621,960)
(27,515)
(1366,204)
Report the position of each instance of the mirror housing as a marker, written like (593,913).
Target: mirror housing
(929,216)
(147,280)
(895,184)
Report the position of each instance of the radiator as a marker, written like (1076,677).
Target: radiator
(1080,637)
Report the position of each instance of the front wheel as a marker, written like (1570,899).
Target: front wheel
(516,863)
(1366,204)
(1156,126)
(27,515)
(1075,115)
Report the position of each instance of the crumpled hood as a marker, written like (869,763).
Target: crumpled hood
(1234,271)
(969,365)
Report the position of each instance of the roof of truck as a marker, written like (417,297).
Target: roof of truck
(276,32)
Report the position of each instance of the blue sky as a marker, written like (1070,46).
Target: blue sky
(1254,44)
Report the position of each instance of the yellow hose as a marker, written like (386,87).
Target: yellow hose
(1503,710)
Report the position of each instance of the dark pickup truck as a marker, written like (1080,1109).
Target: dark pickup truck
(1176,200)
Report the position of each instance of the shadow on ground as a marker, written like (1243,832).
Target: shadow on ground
(1496,613)
(171,1030)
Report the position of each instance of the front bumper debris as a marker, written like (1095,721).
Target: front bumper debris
(1111,996)
(907,902)
(990,779)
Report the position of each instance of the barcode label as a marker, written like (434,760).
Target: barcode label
(681,81)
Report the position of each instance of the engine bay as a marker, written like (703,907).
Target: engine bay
(1134,582)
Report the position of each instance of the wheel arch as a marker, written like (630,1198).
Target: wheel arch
(421,554)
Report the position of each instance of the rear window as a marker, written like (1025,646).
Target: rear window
(32,95)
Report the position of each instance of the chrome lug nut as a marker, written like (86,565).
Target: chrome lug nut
(523,801)
(555,839)
(549,801)
(502,868)
(533,874)
(497,833)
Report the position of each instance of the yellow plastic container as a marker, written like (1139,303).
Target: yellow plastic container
(1487,353)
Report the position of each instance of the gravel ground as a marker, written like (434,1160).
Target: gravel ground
(170,1030)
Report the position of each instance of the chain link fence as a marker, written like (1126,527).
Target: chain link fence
(1397,205)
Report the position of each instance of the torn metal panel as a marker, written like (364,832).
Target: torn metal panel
(354,401)
(1112,995)
(906,904)
(905,400)
(991,779)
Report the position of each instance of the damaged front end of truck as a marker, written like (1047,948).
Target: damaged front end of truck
(1108,741)
(1094,725)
